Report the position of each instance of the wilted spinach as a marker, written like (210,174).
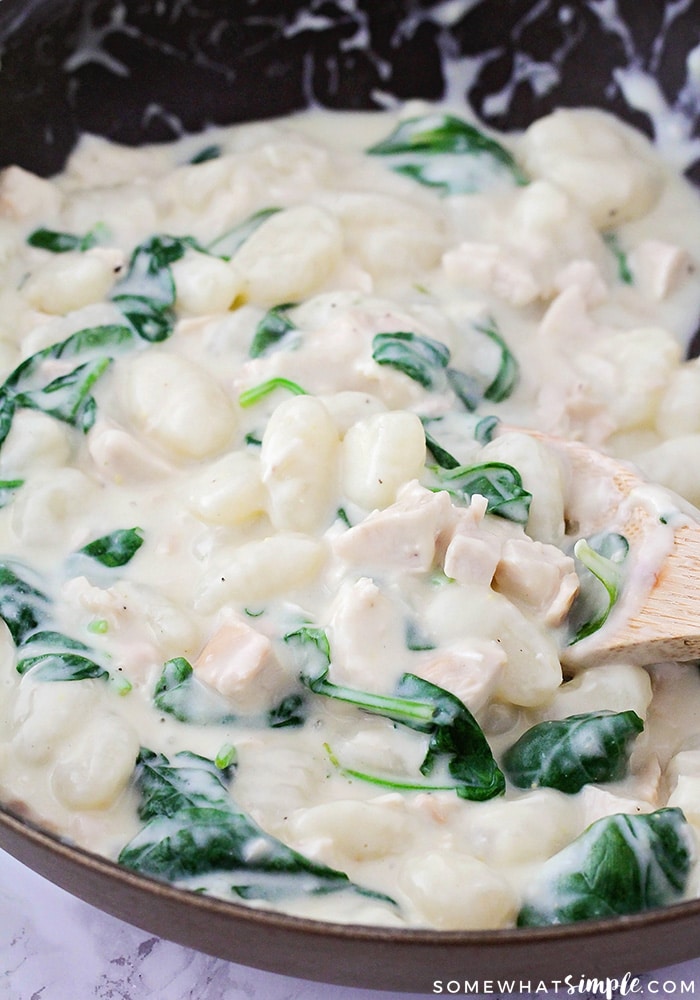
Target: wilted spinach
(57,242)
(272,328)
(602,558)
(115,549)
(421,358)
(194,828)
(48,654)
(621,864)
(567,754)
(499,483)
(445,152)
(226,245)
(456,740)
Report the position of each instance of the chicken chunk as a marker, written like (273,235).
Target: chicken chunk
(403,536)
(538,576)
(238,661)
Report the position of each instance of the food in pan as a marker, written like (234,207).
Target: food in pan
(287,587)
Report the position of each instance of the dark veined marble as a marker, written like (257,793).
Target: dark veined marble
(149,70)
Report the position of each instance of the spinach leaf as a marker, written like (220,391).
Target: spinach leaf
(485,429)
(257,392)
(228,243)
(67,397)
(8,488)
(443,151)
(146,293)
(569,753)
(271,329)
(508,371)
(443,457)
(206,154)
(55,242)
(603,556)
(621,864)
(194,828)
(467,388)
(62,666)
(52,656)
(290,712)
(500,484)
(456,740)
(421,358)
(115,549)
(181,694)
(612,242)
(23,607)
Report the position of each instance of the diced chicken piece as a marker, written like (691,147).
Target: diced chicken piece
(538,576)
(238,661)
(659,267)
(403,536)
(120,457)
(471,553)
(368,637)
(470,672)
(585,277)
(144,628)
(492,268)
(597,802)
(23,194)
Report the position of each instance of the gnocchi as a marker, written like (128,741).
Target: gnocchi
(274,527)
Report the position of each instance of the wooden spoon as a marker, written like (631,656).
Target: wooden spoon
(657,617)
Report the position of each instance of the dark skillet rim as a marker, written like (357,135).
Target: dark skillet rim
(42,837)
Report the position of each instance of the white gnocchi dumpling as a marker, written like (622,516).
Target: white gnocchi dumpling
(260,569)
(290,256)
(346,829)
(298,463)
(96,765)
(532,672)
(379,455)
(204,284)
(230,491)
(452,890)
(178,405)
(601,163)
(541,475)
(73,280)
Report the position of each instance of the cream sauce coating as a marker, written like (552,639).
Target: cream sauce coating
(315,503)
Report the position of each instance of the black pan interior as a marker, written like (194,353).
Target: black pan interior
(146,70)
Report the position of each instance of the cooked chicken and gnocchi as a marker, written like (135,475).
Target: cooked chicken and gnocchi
(287,586)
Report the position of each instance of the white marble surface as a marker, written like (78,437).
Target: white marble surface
(55,947)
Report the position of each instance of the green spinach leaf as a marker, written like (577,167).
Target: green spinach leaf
(421,358)
(249,397)
(56,242)
(456,740)
(181,694)
(499,483)
(23,607)
(194,828)
(569,753)
(602,560)
(115,549)
(228,243)
(272,328)
(146,293)
(445,152)
(621,864)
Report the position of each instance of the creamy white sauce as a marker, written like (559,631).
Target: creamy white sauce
(332,519)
